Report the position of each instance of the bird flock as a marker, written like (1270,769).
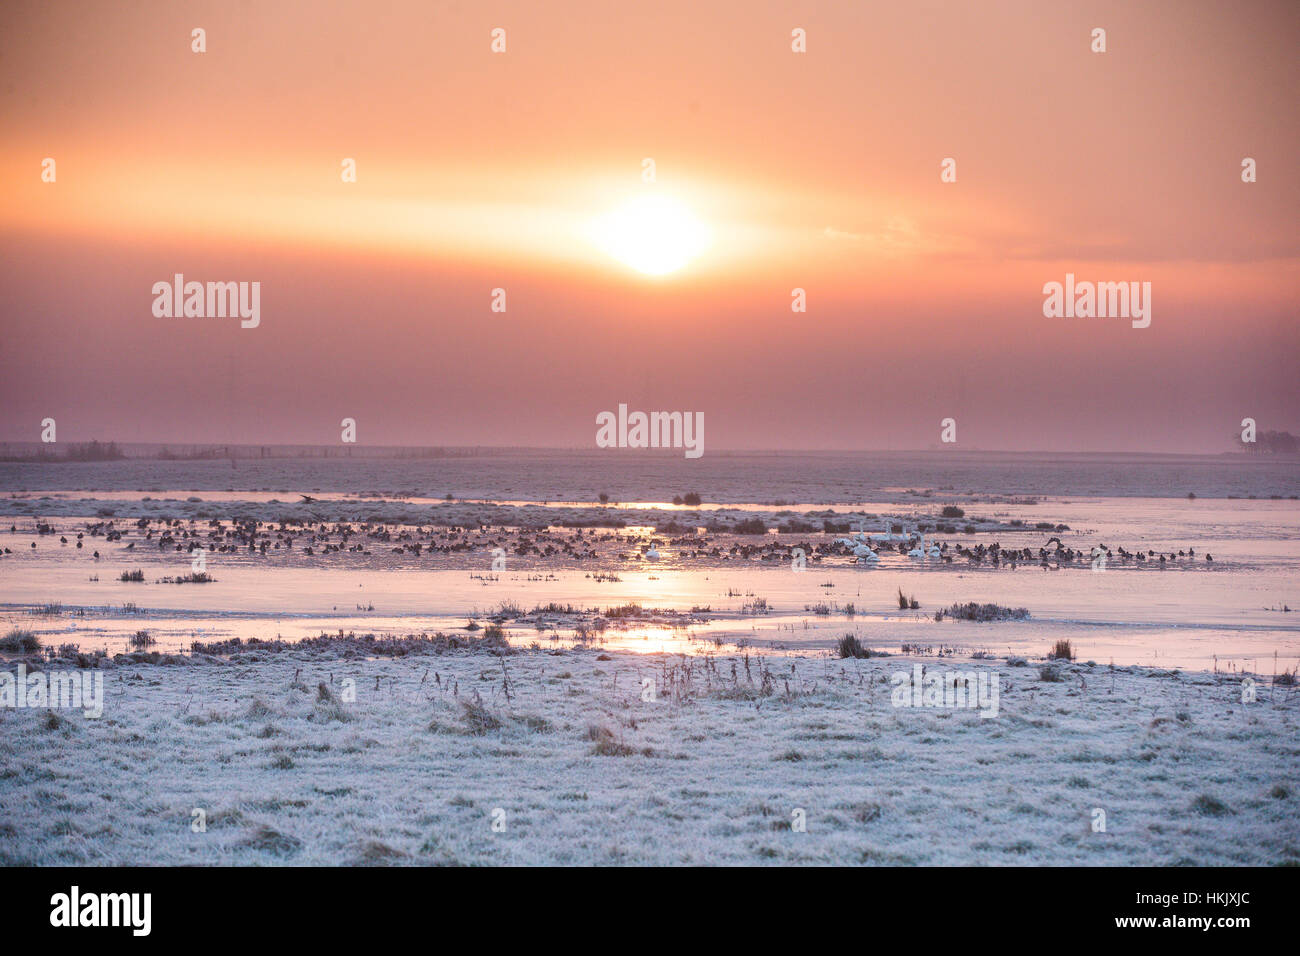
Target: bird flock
(319,539)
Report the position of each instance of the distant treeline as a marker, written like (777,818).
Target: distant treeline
(1272,443)
(205,453)
(87,451)
(111,451)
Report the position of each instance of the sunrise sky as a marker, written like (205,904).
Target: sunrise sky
(523,170)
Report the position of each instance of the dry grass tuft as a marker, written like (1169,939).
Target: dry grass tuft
(375,853)
(479,720)
(850,646)
(19,641)
(1061,651)
(270,840)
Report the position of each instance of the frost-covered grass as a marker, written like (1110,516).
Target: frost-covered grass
(562,753)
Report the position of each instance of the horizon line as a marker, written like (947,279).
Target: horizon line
(191,448)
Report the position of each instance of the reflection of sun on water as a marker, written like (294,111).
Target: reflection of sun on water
(652,234)
(649,640)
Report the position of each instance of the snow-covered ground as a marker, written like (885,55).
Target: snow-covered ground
(566,762)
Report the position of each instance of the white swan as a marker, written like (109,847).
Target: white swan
(923,552)
(858,544)
(864,553)
(888,535)
(652,554)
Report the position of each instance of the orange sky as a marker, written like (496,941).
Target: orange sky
(819,170)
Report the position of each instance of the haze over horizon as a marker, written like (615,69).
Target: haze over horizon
(820,171)
(286,450)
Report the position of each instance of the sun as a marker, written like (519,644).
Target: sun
(654,235)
